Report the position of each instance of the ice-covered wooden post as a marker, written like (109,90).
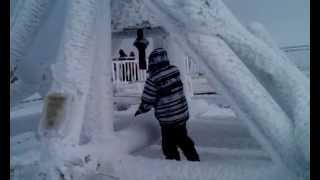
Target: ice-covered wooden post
(98,125)
(301,123)
(72,72)
(260,31)
(257,107)
(68,96)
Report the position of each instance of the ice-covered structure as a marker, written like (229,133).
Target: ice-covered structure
(266,90)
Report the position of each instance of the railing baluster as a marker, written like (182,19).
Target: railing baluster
(113,72)
(127,70)
(124,73)
(133,72)
(119,72)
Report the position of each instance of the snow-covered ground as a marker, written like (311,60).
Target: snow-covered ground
(226,148)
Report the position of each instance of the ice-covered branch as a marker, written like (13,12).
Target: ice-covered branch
(287,84)
(301,119)
(260,31)
(72,71)
(250,96)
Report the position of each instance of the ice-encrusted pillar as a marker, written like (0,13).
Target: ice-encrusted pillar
(72,71)
(65,104)
(98,125)
(300,115)
(260,31)
(249,98)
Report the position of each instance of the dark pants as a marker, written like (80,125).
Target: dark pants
(174,137)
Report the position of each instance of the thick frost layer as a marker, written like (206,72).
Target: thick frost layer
(25,26)
(249,95)
(72,72)
(261,32)
(25,22)
(98,124)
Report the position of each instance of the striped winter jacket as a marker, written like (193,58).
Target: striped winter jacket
(163,90)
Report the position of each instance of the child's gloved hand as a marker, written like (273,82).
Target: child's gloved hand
(143,108)
(137,112)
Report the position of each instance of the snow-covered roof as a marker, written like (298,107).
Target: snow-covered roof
(131,13)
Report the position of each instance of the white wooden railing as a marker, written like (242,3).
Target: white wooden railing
(126,70)
(192,67)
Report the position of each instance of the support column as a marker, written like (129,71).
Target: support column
(72,72)
(98,125)
(25,23)
(65,105)
(258,30)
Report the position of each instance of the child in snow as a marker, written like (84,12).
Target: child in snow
(163,91)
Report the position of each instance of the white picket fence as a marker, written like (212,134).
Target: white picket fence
(126,70)
(192,67)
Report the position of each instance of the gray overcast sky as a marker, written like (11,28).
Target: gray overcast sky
(288,21)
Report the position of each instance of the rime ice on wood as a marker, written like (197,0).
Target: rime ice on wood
(53,115)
